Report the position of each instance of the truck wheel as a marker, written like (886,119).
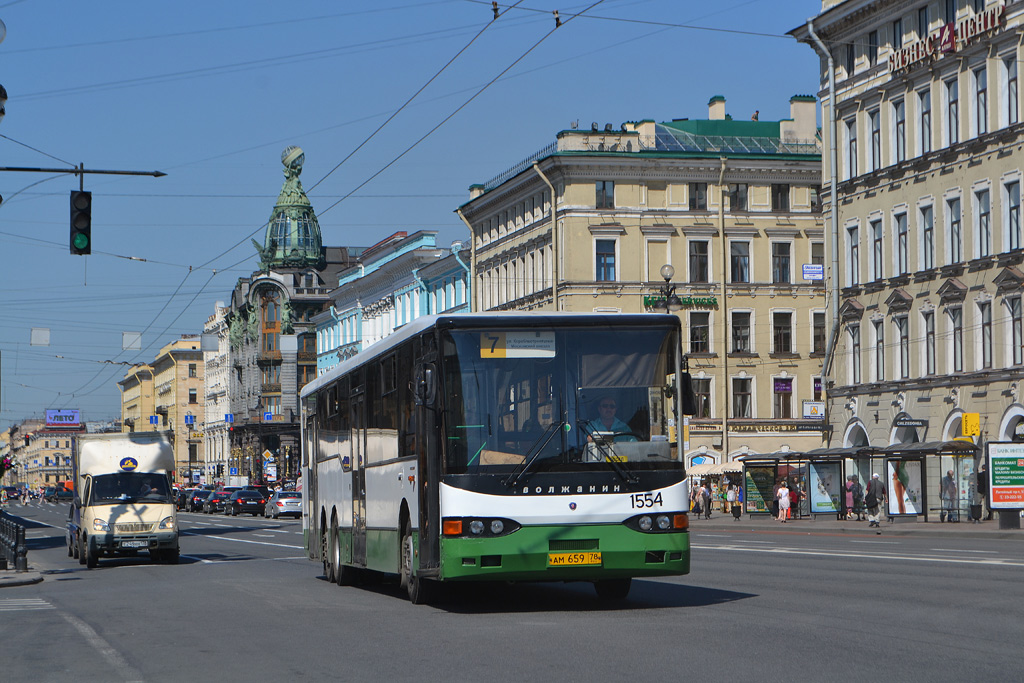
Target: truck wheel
(81,550)
(71,551)
(172,555)
(90,555)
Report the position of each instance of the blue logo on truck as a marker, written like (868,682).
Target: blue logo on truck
(129,464)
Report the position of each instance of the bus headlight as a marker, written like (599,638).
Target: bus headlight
(470,527)
(497,526)
(476,527)
(100,525)
(645,523)
(166,523)
(664,522)
(669,522)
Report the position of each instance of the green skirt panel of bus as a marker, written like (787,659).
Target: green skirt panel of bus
(556,553)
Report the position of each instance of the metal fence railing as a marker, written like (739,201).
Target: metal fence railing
(12,543)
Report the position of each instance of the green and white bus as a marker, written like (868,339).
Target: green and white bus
(521,446)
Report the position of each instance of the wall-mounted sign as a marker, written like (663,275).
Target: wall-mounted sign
(949,38)
(970,424)
(814,410)
(909,422)
(63,418)
(813,271)
(1006,475)
(657,301)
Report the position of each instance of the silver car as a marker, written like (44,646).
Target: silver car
(284,503)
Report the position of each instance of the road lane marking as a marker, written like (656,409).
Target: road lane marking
(264,536)
(24,604)
(127,671)
(958,550)
(999,562)
(878,542)
(242,540)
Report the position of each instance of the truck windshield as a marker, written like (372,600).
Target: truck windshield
(125,487)
(559,399)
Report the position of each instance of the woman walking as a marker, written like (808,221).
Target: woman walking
(783,502)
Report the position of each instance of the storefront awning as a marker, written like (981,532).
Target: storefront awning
(932,448)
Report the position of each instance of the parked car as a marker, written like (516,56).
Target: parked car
(216,501)
(60,495)
(196,499)
(245,501)
(13,493)
(264,490)
(284,503)
(181,498)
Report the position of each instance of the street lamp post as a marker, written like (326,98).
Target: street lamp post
(669,301)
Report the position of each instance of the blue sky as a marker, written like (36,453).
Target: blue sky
(211,93)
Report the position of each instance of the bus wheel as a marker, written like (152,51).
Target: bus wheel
(613,589)
(329,543)
(420,590)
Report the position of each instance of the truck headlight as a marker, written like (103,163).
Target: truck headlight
(166,523)
(100,525)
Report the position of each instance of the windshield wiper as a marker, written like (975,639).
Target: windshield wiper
(543,440)
(602,448)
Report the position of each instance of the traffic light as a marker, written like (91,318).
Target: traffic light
(81,222)
(220,470)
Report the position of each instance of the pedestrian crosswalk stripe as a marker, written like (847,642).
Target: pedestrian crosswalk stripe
(23,604)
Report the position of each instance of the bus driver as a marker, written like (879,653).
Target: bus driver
(607,422)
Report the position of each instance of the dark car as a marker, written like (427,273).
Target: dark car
(216,501)
(245,501)
(196,499)
(13,492)
(284,503)
(61,495)
(182,497)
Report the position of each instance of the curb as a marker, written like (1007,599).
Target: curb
(11,579)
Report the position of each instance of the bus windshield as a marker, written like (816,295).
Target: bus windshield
(559,399)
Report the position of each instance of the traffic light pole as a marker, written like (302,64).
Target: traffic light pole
(80,171)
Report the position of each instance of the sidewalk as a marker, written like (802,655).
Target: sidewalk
(828,524)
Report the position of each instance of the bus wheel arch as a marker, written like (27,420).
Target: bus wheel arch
(405,555)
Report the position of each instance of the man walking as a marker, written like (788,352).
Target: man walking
(950,501)
(873,499)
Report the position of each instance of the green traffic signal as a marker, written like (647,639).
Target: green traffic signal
(81,222)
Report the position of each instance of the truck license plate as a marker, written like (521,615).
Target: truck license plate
(134,544)
(573,559)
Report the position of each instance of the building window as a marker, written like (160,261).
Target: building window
(783,398)
(1013,236)
(875,119)
(605,260)
(879,326)
(818,332)
(853,249)
(922,23)
(985,313)
(782,332)
(818,253)
(981,100)
(192,370)
(953,111)
(903,330)
(851,58)
(928,318)
(741,397)
(698,196)
(193,396)
(978,6)
(815,198)
(872,47)
(740,260)
(698,261)
(956,329)
(851,148)
(950,11)
(816,388)
(700,332)
(605,194)
(780,197)
(1016,331)
(902,244)
(740,332)
(781,273)
(956,240)
(854,354)
(925,127)
(899,115)
(1012,104)
(702,393)
(877,272)
(927,238)
(984,223)
(897,34)
(737,196)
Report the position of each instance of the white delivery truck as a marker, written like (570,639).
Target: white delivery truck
(123,501)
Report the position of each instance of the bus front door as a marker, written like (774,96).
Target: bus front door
(358,404)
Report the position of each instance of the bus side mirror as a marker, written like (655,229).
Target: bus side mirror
(425,389)
(687,401)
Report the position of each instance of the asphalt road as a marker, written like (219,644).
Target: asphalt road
(245,605)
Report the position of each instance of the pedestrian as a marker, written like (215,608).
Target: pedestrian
(949,498)
(783,494)
(730,499)
(873,499)
(695,501)
(983,492)
(705,499)
(849,497)
(858,498)
(737,507)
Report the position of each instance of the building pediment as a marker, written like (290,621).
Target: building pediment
(899,300)
(952,290)
(851,310)
(1009,279)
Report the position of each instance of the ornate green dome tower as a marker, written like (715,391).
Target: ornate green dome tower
(293,234)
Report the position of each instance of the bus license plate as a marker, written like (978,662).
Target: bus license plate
(573,559)
(134,544)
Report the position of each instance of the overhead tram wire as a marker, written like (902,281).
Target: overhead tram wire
(412,97)
(460,107)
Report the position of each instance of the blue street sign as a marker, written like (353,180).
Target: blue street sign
(813,271)
(268,416)
(190,419)
(233,471)
(154,419)
(229,417)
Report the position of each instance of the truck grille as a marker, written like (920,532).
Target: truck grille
(133,528)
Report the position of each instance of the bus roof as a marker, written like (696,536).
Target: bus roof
(484,320)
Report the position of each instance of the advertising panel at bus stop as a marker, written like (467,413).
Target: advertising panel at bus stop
(1006,476)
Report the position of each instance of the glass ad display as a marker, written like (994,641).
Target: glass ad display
(760,483)
(1006,476)
(825,479)
(904,494)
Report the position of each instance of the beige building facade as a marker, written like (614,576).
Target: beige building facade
(929,151)
(629,201)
